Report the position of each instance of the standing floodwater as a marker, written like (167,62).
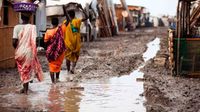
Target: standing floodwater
(118,94)
(152,49)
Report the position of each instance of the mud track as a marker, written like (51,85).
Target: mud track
(120,55)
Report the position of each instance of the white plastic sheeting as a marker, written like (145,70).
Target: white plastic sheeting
(55,5)
(61,2)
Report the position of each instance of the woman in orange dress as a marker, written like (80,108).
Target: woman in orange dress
(55,65)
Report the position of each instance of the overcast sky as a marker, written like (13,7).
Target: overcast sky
(155,7)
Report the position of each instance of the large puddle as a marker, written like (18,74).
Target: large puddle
(152,49)
(118,94)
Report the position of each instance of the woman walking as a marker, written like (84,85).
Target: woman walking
(54,36)
(72,37)
(24,42)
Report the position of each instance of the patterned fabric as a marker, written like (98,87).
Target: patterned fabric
(55,46)
(24,7)
(26,55)
(54,66)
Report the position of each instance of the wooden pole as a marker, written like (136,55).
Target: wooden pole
(87,25)
(188,18)
(123,2)
(184,17)
(178,35)
(114,15)
(105,7)
(0,10)
(195,15)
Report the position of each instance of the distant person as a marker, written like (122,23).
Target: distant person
(72,38)
(24,42)
(173,25)
(50,38)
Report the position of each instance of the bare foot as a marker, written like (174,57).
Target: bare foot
(71,71)
(57,80)
(21,91)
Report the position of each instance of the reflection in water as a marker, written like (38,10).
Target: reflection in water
(54,98)
(15,102)
(119,94)
(72,100)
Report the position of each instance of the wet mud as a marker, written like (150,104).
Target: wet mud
(100,63)
(167,93)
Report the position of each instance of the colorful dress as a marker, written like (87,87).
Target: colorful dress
(54,66)
(26,53)
(72,39)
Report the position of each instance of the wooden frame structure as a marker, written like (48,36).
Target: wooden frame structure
(8,20)
(184,49)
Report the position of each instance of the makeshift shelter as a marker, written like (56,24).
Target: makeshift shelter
(8,19)
(137,13)
(184,42)
(88,28)
(107,18)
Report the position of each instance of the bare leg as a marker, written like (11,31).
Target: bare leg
(68,65)
(73,67)
(25,85)
(57,76)
(52,77)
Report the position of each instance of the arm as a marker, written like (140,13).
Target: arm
(46,37)
(85,15)
(67,16)
(14,42)
(15,37)
(45,40)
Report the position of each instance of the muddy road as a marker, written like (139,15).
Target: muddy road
(108,78)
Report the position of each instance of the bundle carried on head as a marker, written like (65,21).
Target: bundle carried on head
(57,10)
(72,6)
(25,6)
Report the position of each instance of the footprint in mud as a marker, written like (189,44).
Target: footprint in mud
(88,68)
(155,96)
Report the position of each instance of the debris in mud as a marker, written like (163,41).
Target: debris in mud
(160,61)
(165,93)
(116,56)
(77,88)
(140,79)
